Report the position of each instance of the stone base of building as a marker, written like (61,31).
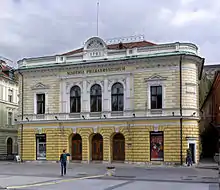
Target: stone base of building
(141,144)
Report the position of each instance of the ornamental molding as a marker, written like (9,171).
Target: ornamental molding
(40,86)
(111,82)
(69,85)
(90,83)
(154,78)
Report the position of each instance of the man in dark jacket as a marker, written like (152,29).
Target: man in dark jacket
(63,160)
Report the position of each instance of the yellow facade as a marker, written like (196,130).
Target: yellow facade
(137,140)
(137,120)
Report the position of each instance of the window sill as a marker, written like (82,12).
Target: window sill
(156,111)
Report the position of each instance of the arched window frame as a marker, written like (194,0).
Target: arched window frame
(100,96)
(118,95)
(77,99)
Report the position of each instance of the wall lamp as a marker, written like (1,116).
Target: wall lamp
(56,117)
(194,114)
(27,119)
(133,114)
(104,116)
(173,113)
(16,120)
(83,117)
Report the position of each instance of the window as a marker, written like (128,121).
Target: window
(9,118)
(10,95)
(40,103)
(156,97)
(117,96)
(96,98)
(75,99)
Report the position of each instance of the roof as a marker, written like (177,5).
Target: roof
(4,68)
(117,46)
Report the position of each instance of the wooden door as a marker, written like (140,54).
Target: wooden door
(77,148)
(118,147)
(97,147)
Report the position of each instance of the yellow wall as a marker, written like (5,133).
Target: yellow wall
(139,136)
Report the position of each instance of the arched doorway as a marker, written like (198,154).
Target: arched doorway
(76,147)
(9,146)
(118,147)
(97,147)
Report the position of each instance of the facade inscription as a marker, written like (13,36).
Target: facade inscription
(98,70)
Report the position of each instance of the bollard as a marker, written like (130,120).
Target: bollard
(110,171)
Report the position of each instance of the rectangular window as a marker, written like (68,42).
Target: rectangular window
(40,103)
(9,118)
(41,146)
(10,95)
(156,97)
(156,146)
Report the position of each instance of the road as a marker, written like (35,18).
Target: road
(45,176)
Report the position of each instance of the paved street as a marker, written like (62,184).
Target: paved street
(45,176)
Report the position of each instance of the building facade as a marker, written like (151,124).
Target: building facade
(8,111)
(210,120)
(130,102)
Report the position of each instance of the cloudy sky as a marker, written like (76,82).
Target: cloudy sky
(44,27)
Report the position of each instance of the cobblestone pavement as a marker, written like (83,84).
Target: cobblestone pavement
(92,176)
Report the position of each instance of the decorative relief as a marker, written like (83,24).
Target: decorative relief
(39,130)
(156,128)
(155,77)
(40,86)
(95,129)
(74,130)
(117,129)
(191,88)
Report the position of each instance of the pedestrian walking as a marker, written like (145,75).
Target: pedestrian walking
(63,162)
(189,158)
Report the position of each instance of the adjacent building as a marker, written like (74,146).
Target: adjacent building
(210,114)
(8,111)
(134,102)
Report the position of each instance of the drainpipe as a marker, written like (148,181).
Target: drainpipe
(181,111)
(22,114)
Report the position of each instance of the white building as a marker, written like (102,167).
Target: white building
(8,111)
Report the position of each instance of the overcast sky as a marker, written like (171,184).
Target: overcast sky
(43,27)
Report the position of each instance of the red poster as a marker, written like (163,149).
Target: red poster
(156,141)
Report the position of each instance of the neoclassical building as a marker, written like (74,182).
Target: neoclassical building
(134,102)
(8,111)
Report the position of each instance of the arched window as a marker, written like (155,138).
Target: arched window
(117,97)
(75,99)
(96,98)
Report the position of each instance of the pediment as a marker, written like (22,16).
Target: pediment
(155,77)
(39,86)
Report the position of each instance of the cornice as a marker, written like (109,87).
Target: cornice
(140,63)
(110,120)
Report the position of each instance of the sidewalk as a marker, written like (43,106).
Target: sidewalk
(207,164)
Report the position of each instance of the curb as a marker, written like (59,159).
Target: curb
(159,180)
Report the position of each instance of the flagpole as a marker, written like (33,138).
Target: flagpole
(97,32)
